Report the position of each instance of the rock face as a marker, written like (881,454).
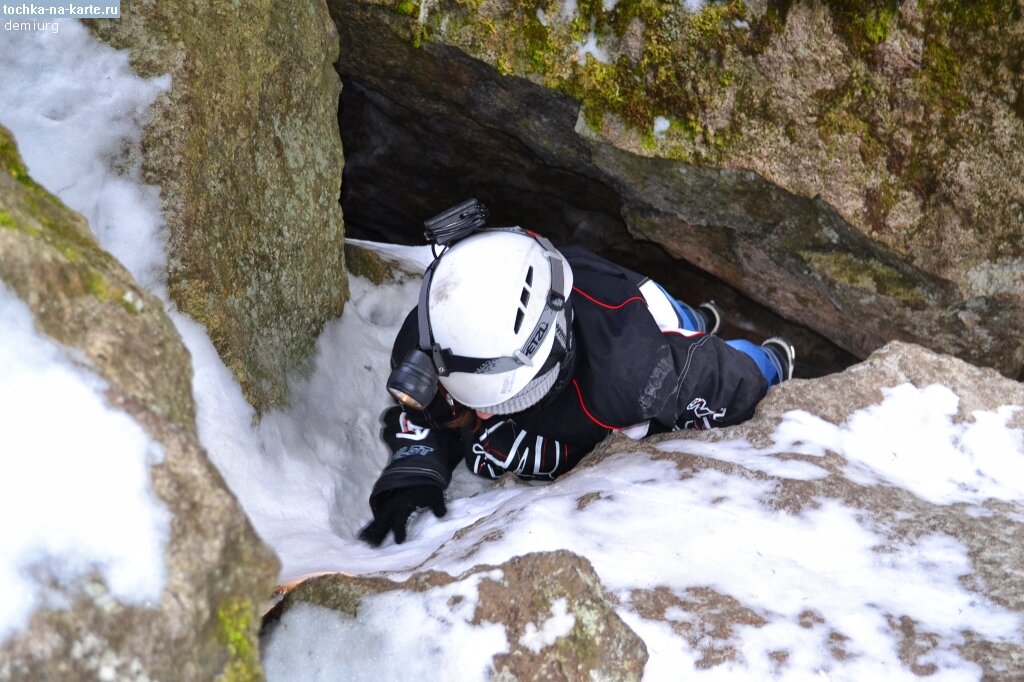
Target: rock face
(217,568)
(851,166)
(521,595)
(990,531)
(246,152)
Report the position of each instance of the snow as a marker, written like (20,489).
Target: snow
(909,440)
(590,47)
(425,635)
(303,474)
(551,630)
(73,104)
(75,494)
(661,126)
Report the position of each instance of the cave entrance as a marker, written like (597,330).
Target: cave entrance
(410,155)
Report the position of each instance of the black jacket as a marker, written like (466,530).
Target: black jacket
(627,372)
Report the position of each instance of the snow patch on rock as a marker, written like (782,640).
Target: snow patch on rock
(75,493)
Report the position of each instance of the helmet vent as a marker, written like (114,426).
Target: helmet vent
(524,299)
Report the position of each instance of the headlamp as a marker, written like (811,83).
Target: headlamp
(414,382)
(458,222)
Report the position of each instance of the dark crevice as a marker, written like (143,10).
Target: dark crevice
(405,163)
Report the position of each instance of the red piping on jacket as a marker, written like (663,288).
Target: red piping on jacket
(591,417)
(608,305)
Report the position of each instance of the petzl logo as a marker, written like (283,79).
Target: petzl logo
(538,336)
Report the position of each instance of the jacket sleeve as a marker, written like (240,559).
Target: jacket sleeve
(713,384)
(503,446)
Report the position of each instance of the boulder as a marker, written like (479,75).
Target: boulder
(851,166)
(217,570)
(990,530)
(246,152)
(555,619)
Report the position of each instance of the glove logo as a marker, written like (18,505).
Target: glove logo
(411,431)
(412,451)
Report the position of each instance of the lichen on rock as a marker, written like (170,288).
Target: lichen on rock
(517,595)
(743,136)
(246,152)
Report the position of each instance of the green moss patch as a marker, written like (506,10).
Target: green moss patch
(870,275)
(863,23)
(236,621)
(662,59)
(10,159)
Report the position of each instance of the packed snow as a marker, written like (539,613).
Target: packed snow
(426,635)
(661,126)
(590,46)
(303,474)
(560,624)
(75,494)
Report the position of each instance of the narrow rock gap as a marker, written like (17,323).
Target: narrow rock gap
(405,162)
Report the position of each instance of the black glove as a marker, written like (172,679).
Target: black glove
(394,512)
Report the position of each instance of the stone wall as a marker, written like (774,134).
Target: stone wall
(246,152)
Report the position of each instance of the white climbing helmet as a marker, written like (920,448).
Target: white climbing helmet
(498,296)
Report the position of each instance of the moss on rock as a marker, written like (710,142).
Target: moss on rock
(366,263)
(236,618)
(53,262)
(900,115)
(246,151)
(871,275)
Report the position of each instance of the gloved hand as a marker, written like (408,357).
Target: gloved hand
(393,514)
